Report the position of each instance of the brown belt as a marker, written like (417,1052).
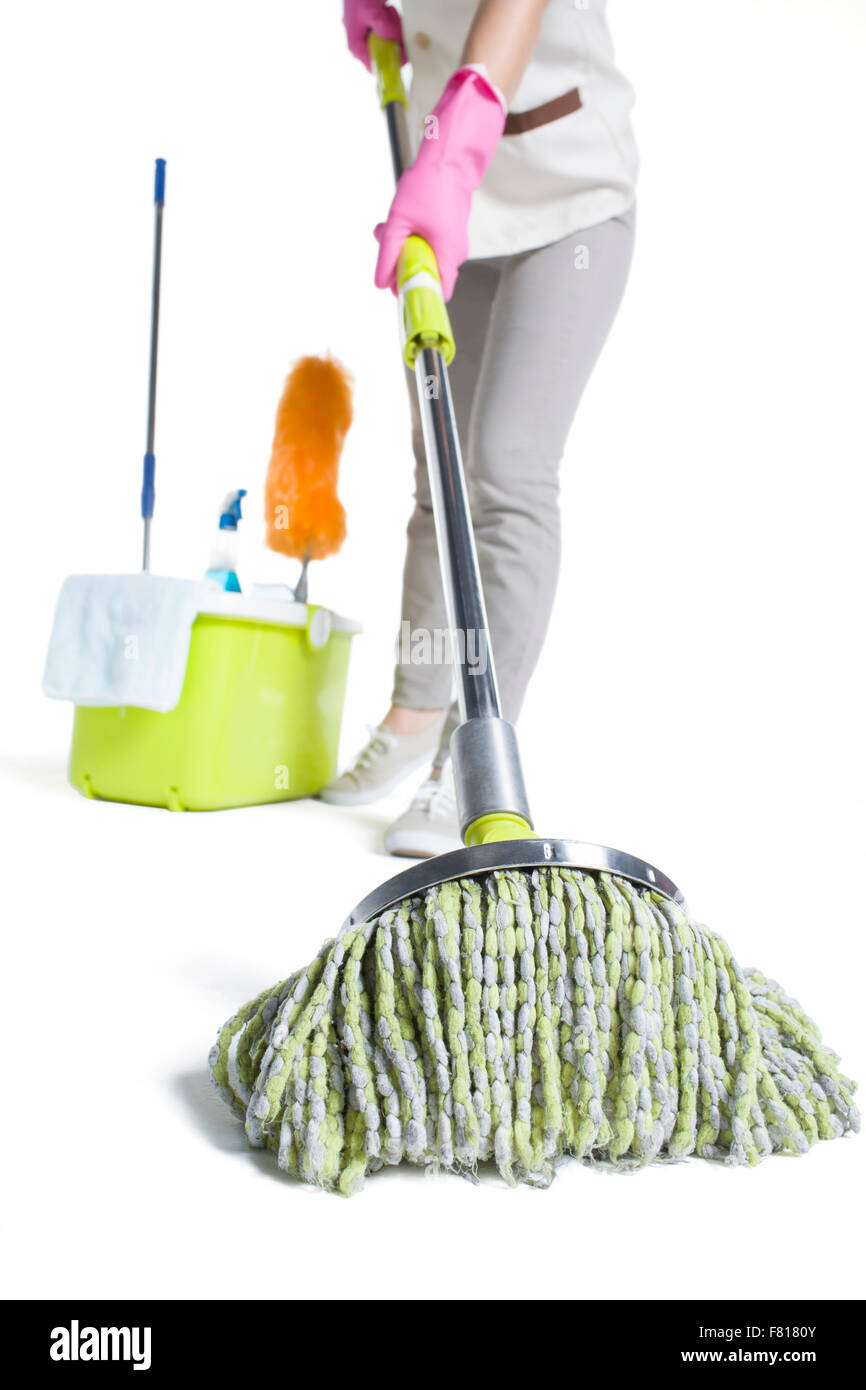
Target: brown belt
(518,122)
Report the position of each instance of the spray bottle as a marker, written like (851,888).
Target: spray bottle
(224,555)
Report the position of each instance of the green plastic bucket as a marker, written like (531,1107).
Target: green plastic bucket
(258,719)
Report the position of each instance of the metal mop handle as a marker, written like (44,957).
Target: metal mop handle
(491,796)
(148,489)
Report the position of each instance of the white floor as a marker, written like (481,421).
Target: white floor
(132,935)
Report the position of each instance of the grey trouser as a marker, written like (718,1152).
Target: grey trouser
(529,330)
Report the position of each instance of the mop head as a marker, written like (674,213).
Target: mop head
(525,1017)
(305,518)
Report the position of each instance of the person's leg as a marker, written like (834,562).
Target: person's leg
(552,313)
(422,689)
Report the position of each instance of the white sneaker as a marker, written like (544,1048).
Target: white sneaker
(430,825)
(382,765)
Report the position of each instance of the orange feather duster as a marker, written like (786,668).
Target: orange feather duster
(305,518)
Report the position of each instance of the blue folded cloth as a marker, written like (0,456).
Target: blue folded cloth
(122,639)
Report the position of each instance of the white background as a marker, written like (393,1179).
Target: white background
(699,701)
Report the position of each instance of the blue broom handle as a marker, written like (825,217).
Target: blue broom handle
(148,484)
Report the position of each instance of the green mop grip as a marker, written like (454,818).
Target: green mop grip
(425,318)
(385,59)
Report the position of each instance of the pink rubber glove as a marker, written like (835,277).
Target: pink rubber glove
(434,196)
(360,16)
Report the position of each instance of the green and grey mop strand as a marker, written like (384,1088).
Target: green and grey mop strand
(148,481)
(521,1000)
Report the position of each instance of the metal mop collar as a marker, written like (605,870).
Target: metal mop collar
(520,1000)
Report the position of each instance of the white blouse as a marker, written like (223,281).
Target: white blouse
(568,158)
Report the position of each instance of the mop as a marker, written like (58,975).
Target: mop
(304,517)
(520,1000)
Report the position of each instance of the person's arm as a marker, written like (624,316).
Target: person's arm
(502,37)
(434,196)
